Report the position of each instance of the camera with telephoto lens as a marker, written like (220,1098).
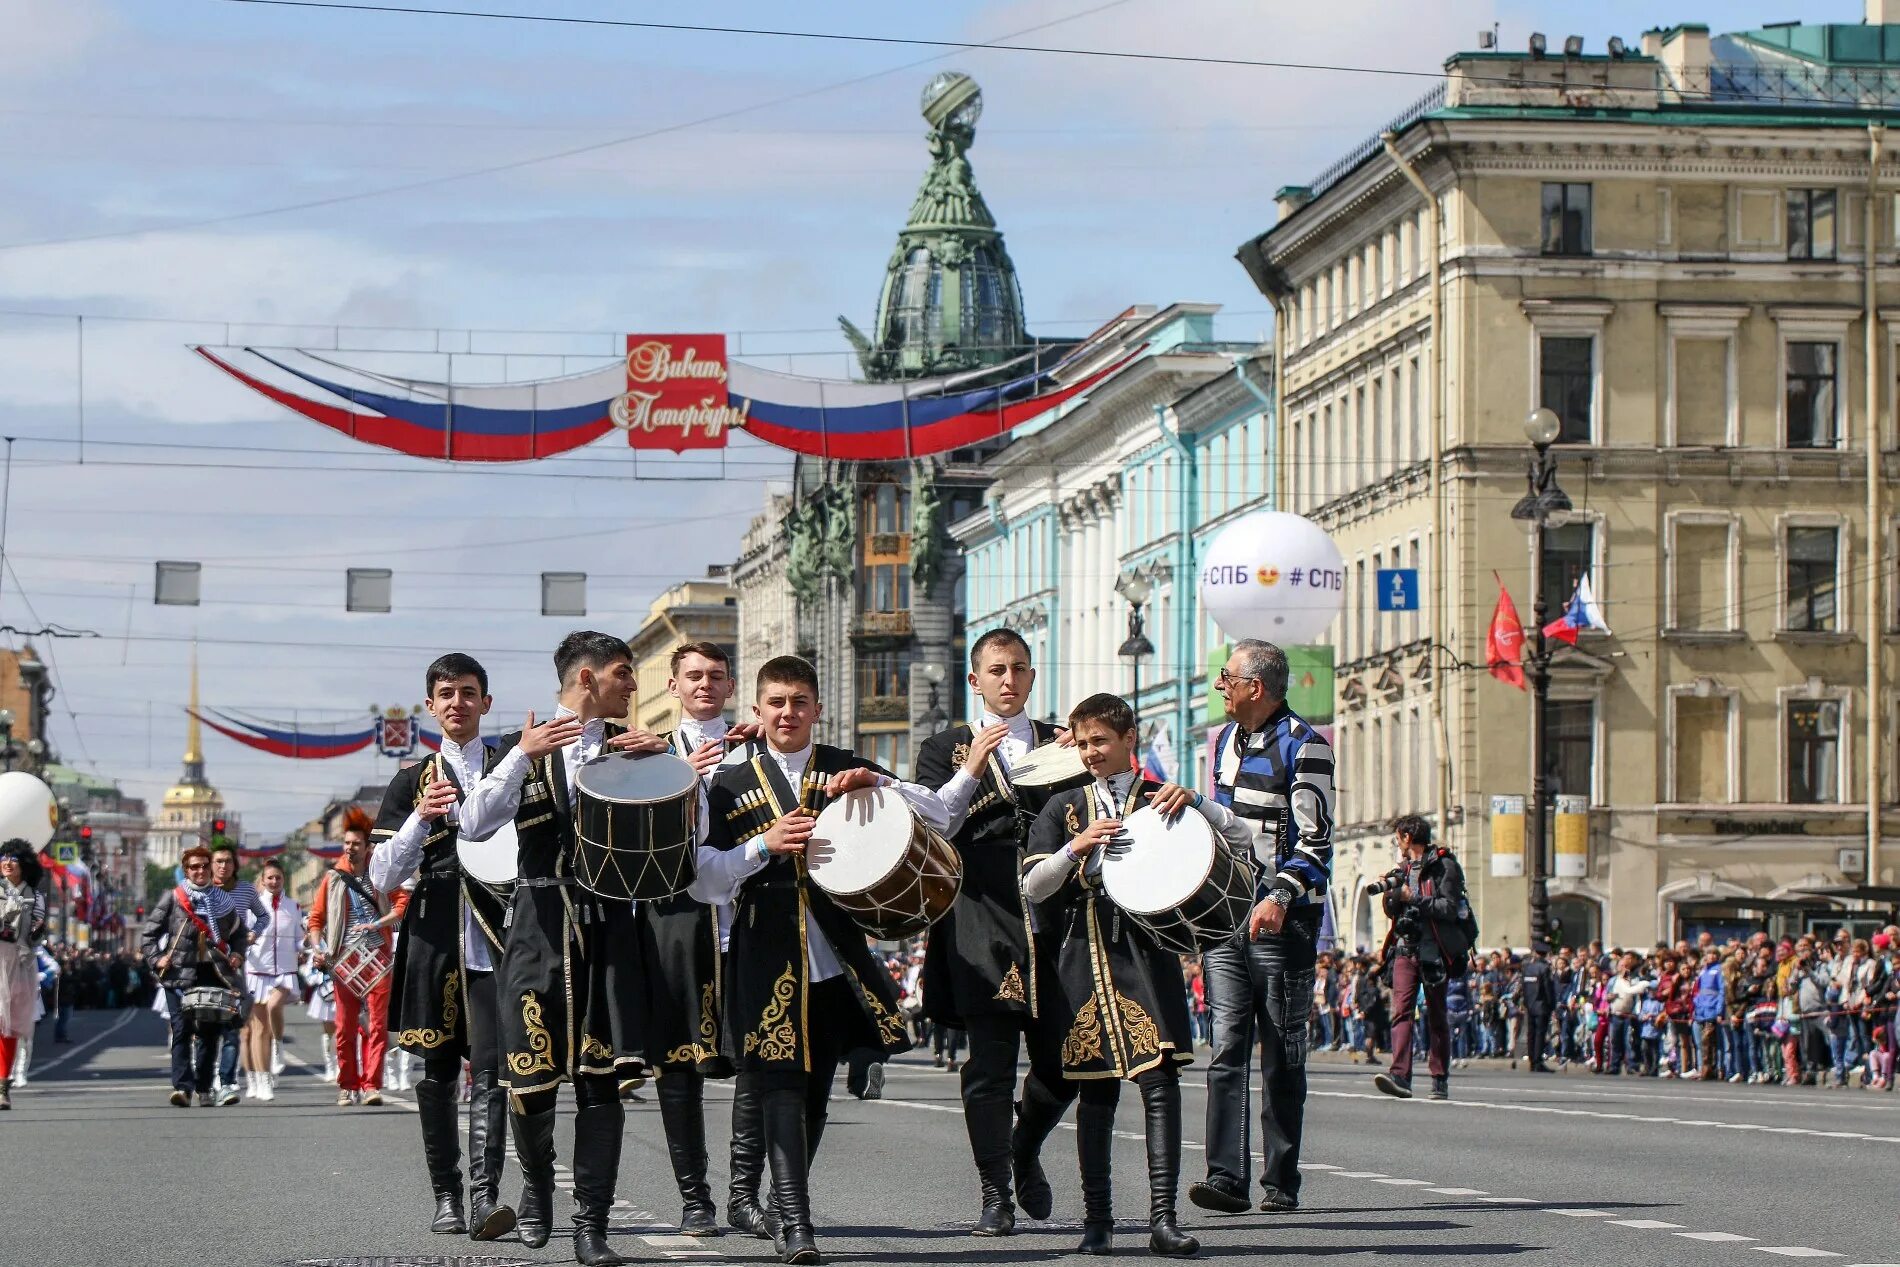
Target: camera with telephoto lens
(1390,882)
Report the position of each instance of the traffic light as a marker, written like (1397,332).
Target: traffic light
(85,835)
(217,827)
(139,910)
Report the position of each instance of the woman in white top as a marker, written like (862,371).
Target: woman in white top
(270,978)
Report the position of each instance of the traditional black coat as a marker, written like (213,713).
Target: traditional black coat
(981,957)
(767,972)
(1121,992)
(428,991)
(572,990)
(680,939)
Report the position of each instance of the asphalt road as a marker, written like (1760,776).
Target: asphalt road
(98,1168)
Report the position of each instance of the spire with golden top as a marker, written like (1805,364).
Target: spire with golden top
(192,789)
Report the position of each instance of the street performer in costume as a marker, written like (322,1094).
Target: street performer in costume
(682,939)
(572,982)
(442,1003)
(802,987)
(986,971)
(1124,1010)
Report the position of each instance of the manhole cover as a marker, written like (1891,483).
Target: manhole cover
(416,1260)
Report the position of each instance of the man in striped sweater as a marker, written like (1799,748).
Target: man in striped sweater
(1275,771)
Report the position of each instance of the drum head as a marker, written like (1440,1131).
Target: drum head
(1049,765)
(636,778)
(496,860)
(1160,865)
(859,839)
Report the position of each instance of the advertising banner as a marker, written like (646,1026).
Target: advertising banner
(1507,835)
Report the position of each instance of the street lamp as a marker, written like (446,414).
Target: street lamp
(1136,589)
(1542,500)
(934,674)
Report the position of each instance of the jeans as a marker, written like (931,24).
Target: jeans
(1736,1056)
(1356,1032)
(1259,990)
(1843,1043)
(194,1048)
(62,1017)
(1323,1028)
(1623,1030)
(1460,1034)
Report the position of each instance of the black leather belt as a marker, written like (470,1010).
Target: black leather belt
(545,881)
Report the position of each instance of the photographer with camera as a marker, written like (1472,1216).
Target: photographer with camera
(1430,938)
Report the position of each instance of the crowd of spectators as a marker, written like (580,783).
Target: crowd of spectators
(1803,1010)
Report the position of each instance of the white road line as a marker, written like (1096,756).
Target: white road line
(1726,1237)
(1508,1200)
(1799,1099)
(1646,1225)
(40,1071)
(1404,1183)
(1796,1251)
(1581,1214)
(1316,1165)
(1362,1174)
(1457,1192)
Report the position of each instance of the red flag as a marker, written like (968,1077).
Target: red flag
(1504,647)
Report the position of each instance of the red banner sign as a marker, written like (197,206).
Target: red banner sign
(676,393)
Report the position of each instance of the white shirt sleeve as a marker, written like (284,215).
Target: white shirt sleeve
(722,871)
(396,858)
(1046,878)
(493,801)
(928,804)
(956,796)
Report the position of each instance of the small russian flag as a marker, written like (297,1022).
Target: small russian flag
(1582,612)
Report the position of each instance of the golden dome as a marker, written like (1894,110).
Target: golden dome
(192,796)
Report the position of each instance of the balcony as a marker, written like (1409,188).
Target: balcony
(883,708)
(881,625)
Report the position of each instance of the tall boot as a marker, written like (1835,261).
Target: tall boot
(534,1153)
(787,1147)
(682,1114)
(1161,1102)
(598,1131)
(743,1212)
(1037,1115)
(988,1122)
(1094,1147)
(489,1219)
(442,1152)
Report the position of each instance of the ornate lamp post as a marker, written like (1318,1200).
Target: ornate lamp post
(1542,500)
(1136,589)
(934,674)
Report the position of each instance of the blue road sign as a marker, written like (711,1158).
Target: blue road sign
(1398,589)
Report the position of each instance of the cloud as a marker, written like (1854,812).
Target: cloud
(44,38)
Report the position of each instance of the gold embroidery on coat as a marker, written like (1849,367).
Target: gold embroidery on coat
(708,1045)
(1144,1037)
(1070,821)
(890,1026)
(539,1058)
(776,1037)
(1084,1042)
(1012,988)
(958,755)
(426,1037)
(593,1049)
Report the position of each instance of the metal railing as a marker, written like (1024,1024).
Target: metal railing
(1795,86)
(1433,100)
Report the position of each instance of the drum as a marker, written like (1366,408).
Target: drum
(882,865)
(496,861)
(1178,880)
(1045,771)
(364,964)
(210,1005)
(636,834)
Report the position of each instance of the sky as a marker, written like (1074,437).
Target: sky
(204,171)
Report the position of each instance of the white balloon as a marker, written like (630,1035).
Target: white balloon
(1275,576)
(26,809)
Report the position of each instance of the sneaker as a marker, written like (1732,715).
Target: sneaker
(1274,1201)
(874,1082)
(373,1098)
(181,1099)
(1400,1088)
(950,1066)
(1735,1077)
(206,1100)
(227,1097)
(1441,1089)
(344,1099)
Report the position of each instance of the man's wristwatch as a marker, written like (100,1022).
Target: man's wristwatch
(1280,897)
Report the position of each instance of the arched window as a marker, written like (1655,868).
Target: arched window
(916,306)
(989,307)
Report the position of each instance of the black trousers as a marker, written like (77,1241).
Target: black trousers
(1536,1035)
(996,1043)
(832,1015)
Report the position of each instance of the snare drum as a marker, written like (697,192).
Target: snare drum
(364,963)
(636,835)
(210,1005)
(882,865)
(1045,771)
(496,861)
(1178,880)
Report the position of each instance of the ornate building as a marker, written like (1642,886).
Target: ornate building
(704,610)
(185,815)
(768,614)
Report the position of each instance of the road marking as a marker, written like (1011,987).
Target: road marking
(1646,1225)
(41,1070)
(1581,1214)
(1404,1183)
(1362,1174)
(1796,1251)
(1508,1200)
(1727,1237)
(1457,1192)
(1316,1165)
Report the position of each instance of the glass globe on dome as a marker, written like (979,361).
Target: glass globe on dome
(952,99)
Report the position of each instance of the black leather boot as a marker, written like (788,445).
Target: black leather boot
(682,1114)
(1094,1147)
(598,1131)
(787,1147)
(1038,1114)
(988,1121)
(488,1218)
(442,1151)
(534,1153)
(1161,1102)
(743,1212)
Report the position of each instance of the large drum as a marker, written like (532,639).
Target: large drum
(1045,771)
(882,865)
(1178,880)
(364,962)
(211,1006)
(496,861)
(636,834)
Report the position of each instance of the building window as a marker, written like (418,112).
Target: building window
(1570,747)
(890,749)
(1702,565)
(1814,751)
(883,673)
(1568,552)
(1811,396)
(1811,224)
(1702,744)
(887,587)
(1812,579)
(887,508)
(1566,219)
(1566,381)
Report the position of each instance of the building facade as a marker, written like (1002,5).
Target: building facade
(768,611)
(704,610)
(26,694)
(1670,250)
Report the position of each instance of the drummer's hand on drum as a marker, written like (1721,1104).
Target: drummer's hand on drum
(1102,831)
(550,736)
(789,834)
(852,780)
(1170,799)
(982,744)
(637,741)
(1065,738)
(706,758)
(744,732)
(437,799)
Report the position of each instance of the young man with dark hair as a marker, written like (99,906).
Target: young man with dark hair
(256,917)
(571,983)
(985,970)
(802,987)
(1423,947)
(1118,991)
(442,1004)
